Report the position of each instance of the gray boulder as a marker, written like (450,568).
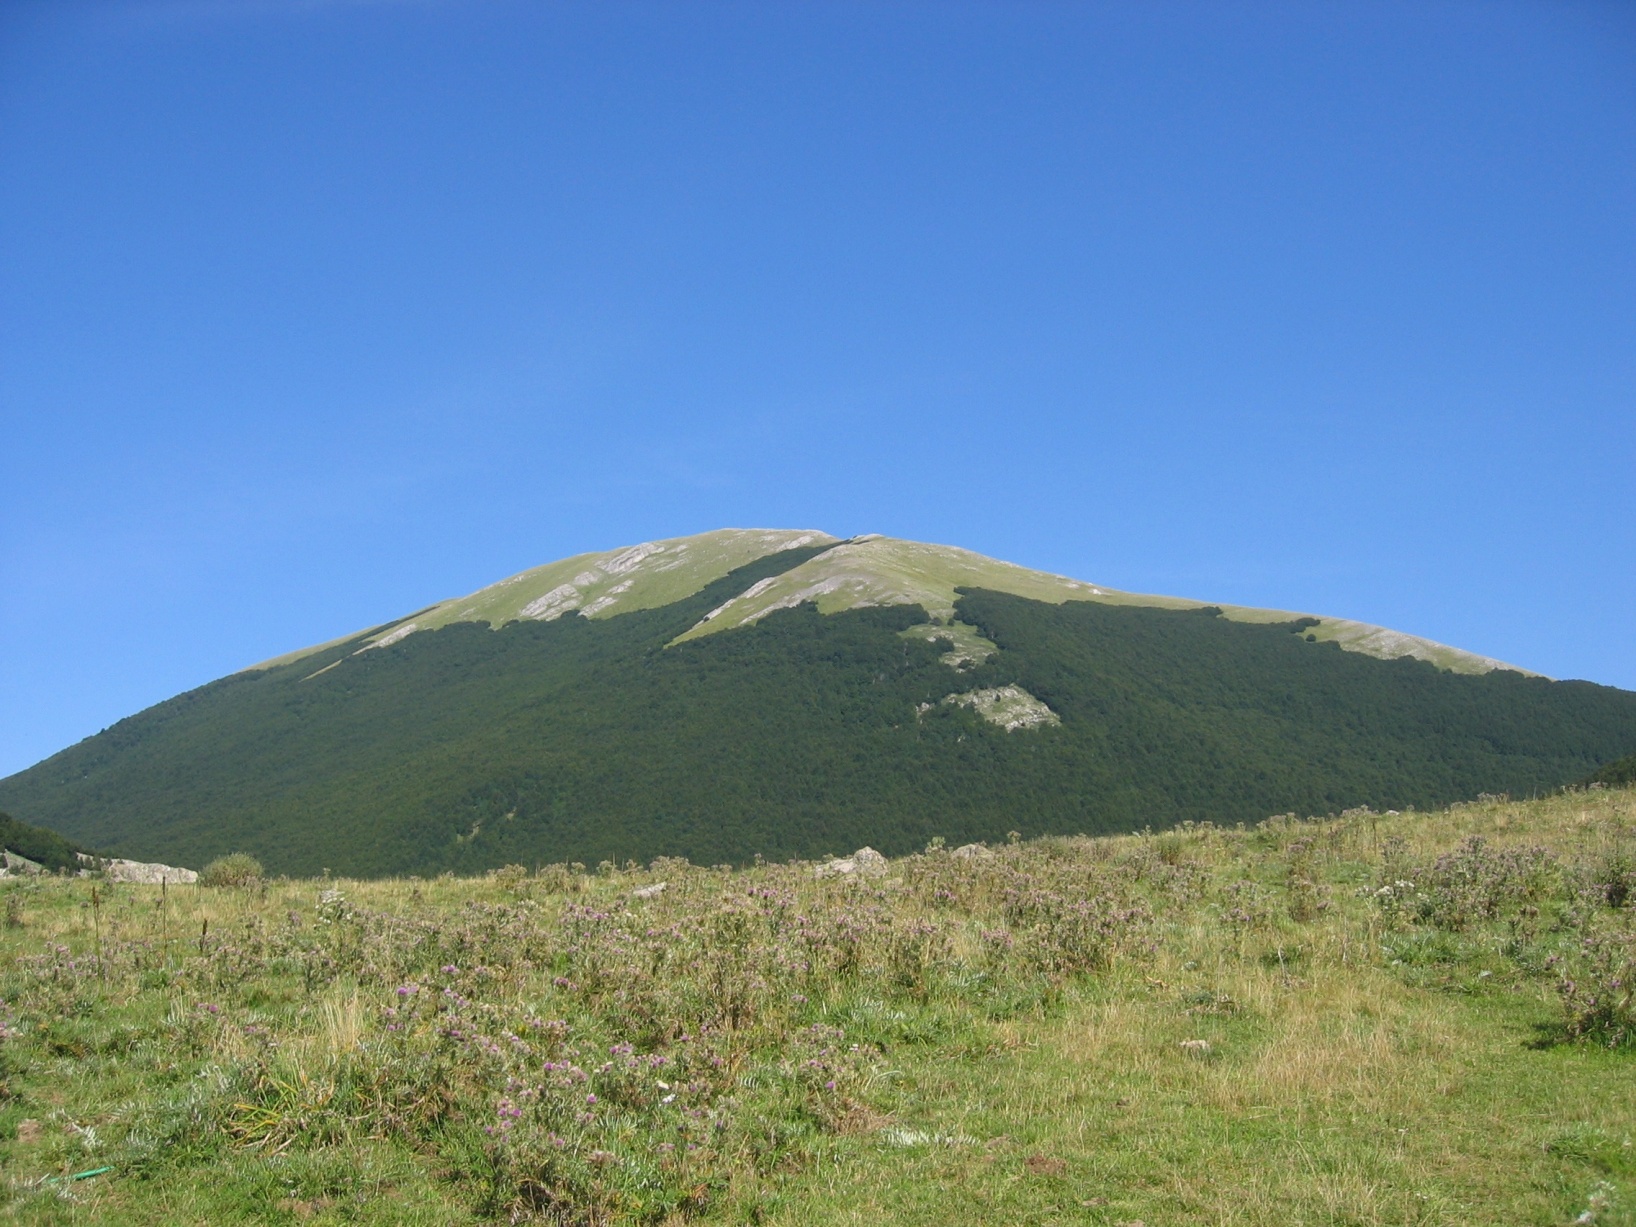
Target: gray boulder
(865,862)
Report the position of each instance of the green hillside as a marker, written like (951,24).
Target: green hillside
(799,732)
(45,848)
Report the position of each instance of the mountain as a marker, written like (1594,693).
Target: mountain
(787,693)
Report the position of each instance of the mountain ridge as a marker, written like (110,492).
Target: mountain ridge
(858,572)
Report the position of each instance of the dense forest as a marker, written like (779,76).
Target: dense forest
(579,740)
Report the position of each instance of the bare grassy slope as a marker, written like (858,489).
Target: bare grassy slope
(1377,1019)
(597,585)
(865,571)
(877,570)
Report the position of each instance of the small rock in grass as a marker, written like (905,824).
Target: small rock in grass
(649,892)
(1197,1048)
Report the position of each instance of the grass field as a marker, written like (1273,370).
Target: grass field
(1373,1019)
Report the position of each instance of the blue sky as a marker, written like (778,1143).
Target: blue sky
(314,313)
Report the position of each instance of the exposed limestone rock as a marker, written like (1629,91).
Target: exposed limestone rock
(972,852)
(142,872)
(1010,707)
(865,862)
(649,892)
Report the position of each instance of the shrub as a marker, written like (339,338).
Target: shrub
(509,877)
(1471,885)
(1068,932)
(1599,990)
(1171,847)
(1245,905)
(1306,894)
(1611,881)
(234,869)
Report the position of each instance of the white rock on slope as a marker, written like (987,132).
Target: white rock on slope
(143,872)
(865,862)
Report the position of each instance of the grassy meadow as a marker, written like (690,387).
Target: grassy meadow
(1417,1018)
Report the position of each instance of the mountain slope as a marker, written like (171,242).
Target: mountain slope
(876,570)
(45,848)
(834,575)
(600,584)
(463,741)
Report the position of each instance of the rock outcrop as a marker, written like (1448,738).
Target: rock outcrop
(145,873)
(865,862)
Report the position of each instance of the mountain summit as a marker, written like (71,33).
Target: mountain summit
(836,575)
(789,693)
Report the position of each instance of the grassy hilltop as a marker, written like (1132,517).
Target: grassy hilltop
(1416,1018)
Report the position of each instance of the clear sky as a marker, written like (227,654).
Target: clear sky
(314,313)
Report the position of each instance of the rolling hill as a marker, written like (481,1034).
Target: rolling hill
(786,693)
